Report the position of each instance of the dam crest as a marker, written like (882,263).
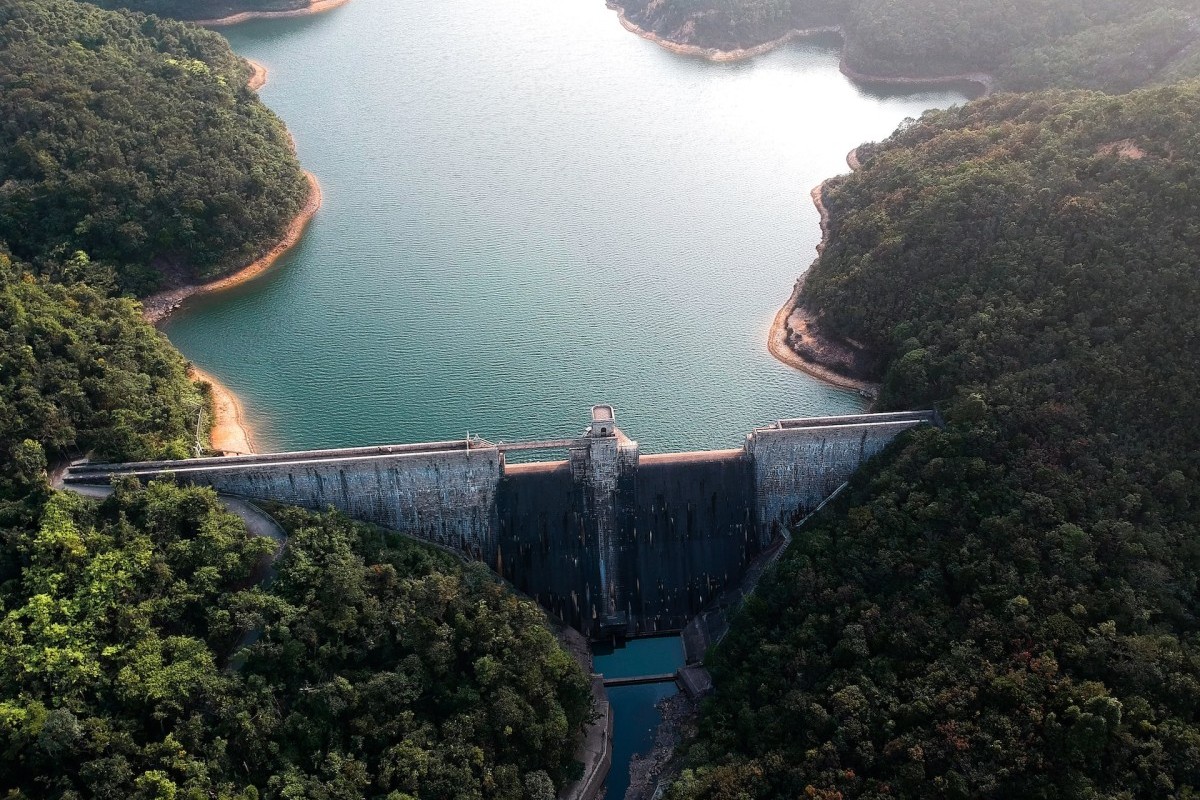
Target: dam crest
(611,541)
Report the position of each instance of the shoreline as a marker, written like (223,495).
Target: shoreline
(157,307)
(315,7)
(230,434)
(778,334)
(258,77)
(981,79)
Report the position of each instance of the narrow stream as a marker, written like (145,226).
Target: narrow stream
(635,715)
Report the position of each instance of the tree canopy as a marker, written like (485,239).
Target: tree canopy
(201,9)
(81,372)
(1029,44)
(384,668)
(134,140)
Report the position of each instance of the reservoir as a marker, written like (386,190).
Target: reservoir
(528,210)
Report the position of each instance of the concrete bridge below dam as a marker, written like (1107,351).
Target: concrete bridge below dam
(611,541)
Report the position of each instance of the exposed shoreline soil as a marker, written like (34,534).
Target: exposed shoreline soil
(315,7)
(159,306)
(259,76)
(981,79)
(824,358)
(231,434)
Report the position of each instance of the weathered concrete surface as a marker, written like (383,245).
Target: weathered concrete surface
(594,748)
(692,535)
(799,462)
(594,751)
(543,547)
(612,542)
(443,492)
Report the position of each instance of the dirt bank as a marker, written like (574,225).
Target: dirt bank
(259,76)
(230,433)
(315,7)
(794,340)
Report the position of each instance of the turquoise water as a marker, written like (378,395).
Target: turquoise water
(635,717)
(529,210)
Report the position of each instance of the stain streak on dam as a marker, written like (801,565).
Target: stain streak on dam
(608,540)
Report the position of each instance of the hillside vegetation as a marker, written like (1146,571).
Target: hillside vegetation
(80,372)
(134,140)
(1007,607)
(384,668)
(1029,44)
(201,9)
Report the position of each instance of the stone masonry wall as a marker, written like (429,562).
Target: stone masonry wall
(446,497)
(798,463)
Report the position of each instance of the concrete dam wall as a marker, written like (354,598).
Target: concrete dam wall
(610,541)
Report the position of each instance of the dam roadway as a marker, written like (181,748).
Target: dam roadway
(609,541)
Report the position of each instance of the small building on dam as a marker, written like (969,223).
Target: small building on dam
(611,541)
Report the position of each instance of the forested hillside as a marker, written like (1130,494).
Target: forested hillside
(135,141)
(80,372)
(1006,608)
(202,9)
(1028,44)
(384,668)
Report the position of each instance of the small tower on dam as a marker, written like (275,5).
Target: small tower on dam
(604,469)
(604,421)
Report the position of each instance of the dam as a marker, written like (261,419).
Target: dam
(612,542)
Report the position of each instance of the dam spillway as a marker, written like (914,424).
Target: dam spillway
(610,541)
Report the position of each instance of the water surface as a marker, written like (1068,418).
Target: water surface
(635,713)
(529,210)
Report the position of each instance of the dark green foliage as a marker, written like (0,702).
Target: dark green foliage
(136,141)
(82,372)
(1116,57)
(1007,608)
(110,680)
(407,673)
(384,669)
(1052,233)
(201,9)
(1109,44)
